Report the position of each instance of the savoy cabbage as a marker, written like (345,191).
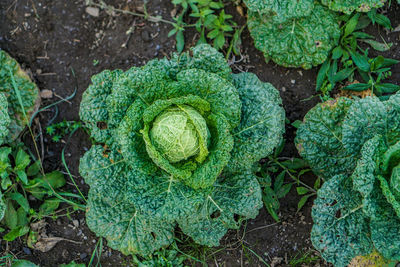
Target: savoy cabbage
(176,143)
(10,72)
(354,144)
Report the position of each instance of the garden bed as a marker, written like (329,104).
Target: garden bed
(63,46)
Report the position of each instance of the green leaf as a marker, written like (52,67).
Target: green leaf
(279,181)
(262,124)
(16,232)
(302,190)
(22,217)
(49,206)
(337,52)
(10,216)
(21,200)
(377,45)
(302,202)
(322,74)
(351,25)
(22,160)
(360,60)
(343,74)
(340,230)
(295,164)
(384,21)
(180,41)
(296,42)
(54,179)
(363,35)
(34,169)
(284,190)
(22,176)
(23,263)
(387,87)
(357,87)
(319,139)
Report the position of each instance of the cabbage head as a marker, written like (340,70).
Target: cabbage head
(296,42)
(176,141)
(11,71)
(354,144)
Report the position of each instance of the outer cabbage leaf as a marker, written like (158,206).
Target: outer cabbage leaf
(94,107)
(28,91)
(340,230)
(319,139)
(348,6)
(365,119)
(4,118)
(282,10)
(262,124)
(303,42)
(236,195)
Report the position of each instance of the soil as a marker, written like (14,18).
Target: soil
(63,46)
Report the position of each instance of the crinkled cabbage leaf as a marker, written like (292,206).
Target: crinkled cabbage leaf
(281,10)
(10,70)
(298,42)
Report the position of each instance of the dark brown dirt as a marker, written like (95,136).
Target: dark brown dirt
(54,38)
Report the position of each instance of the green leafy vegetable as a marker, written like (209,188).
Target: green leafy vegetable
(10,70)
(355,146)
(177,140)
(300,42)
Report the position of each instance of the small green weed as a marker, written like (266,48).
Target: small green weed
(348,58)
(275,189)
(211,21)
(308,258)
(28,195)
(59,130)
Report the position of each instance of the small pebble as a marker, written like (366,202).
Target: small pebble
(83,255)
(76,223)
(92,11)
(46,94)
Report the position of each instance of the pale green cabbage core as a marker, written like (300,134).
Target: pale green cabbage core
(178,133)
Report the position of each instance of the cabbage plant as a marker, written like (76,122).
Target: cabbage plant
(176,143)
(354,144)
(15,86)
